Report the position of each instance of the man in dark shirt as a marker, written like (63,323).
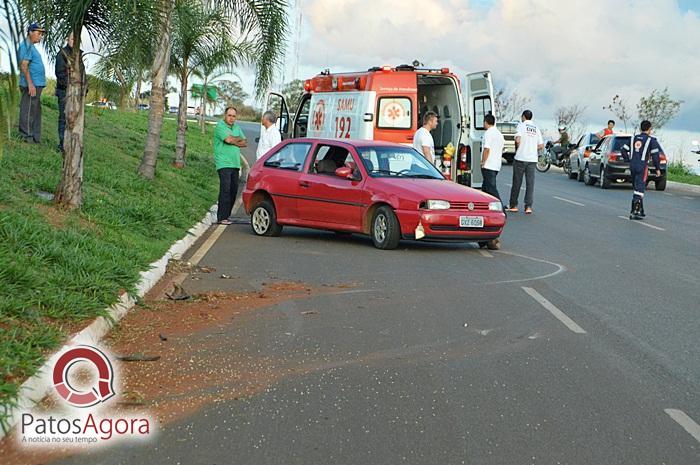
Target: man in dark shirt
(62,65)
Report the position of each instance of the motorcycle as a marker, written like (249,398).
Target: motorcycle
(551,157)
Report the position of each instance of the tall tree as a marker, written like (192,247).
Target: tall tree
(570,116)
(293,91)
(262,22)
(100,18)
(618,107)
(199,34)
(159,76)
(658,107)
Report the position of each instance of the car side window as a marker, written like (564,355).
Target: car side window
(290,157)
(329,158)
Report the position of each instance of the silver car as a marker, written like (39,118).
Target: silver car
(580,155)
(508,129)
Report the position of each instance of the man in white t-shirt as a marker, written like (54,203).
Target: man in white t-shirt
(491,156)
(423,140)
(528,140)
(269,134)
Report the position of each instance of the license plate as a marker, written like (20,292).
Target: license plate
(471,221)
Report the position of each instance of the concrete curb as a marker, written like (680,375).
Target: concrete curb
(37,387)
(683,187)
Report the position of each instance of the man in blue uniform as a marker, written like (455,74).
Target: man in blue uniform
(644,145)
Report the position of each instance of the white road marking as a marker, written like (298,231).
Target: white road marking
(569,201)
(202,251)
(666,193)
(485,254)
(643,223)
(558,314)
(688,197)
(560,269)
(685,421)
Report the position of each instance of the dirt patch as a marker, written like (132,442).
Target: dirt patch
(54,216)
(200,363)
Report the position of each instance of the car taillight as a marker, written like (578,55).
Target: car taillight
(614,157)
(662,158)
(464,158)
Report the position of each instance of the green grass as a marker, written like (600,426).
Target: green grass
(59,270)
(677,172)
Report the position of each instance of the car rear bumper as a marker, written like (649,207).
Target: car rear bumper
(614,172)
(443,225)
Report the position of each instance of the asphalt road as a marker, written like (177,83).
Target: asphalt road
(577,343)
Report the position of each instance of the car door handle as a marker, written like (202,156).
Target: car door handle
(304,184)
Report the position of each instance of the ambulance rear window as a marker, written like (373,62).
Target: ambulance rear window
(394,113)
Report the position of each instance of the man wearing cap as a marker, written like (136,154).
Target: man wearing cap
(32,80)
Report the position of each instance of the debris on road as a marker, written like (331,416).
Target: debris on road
(178,293)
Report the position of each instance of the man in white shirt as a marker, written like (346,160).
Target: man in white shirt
(528,140)
(491,156)
(423,140)
(269,135)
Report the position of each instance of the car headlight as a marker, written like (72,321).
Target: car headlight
(437,205)
(496,206)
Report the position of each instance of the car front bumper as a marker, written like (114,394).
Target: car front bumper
(443,225)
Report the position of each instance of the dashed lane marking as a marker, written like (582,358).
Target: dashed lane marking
(685,421)
(558,314)
(569,201)
(643,223)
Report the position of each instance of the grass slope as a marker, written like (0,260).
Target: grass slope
(58,270)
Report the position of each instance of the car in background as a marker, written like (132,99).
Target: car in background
(382,189)
(508,129)
(606,164)
(144,106)
(580,155)
(173,110)
(103,105)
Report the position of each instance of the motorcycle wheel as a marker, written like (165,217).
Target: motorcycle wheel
(567,167)
(543,163)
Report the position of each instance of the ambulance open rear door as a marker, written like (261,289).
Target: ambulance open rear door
(479,92)
(278,105)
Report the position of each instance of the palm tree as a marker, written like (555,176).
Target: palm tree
(263,22)
(198,35)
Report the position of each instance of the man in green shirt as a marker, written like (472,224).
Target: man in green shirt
(228,140)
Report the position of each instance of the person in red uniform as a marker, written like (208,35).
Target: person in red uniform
(607,131)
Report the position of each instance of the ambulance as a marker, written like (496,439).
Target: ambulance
(388,103)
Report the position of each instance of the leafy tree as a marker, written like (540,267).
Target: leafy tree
(658,108)
(293,92)
(231,93)
(261,22)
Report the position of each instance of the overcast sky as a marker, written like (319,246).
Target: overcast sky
(556,52)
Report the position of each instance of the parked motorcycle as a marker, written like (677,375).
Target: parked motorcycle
(553,157)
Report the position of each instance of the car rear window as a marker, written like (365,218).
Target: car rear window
(619,142)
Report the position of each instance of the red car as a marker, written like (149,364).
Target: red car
(388,191)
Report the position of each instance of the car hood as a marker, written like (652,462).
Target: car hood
(430,189)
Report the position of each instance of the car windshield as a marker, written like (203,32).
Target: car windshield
(509,128)
(397,162)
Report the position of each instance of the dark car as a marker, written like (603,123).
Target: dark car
(607,165)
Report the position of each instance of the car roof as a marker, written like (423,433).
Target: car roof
(357,143)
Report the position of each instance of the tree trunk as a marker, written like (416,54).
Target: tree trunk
(69,193)
(181,145)
(203,106)
(159,73)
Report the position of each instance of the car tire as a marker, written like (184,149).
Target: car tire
(573,174)
(386,230)
(263,220)
(580,175)
(587,178)
(604,181)
(660,184)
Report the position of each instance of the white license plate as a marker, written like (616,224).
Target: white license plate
(471,221)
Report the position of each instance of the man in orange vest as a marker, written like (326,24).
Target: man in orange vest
(607,131)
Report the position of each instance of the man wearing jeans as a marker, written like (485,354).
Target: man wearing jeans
(228,140)
(491,157)
(528,140)
(32,80)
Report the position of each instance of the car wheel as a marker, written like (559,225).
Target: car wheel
(386,230)
(580,174)
(263,220)
(587,178)
(604,181)
(660,184)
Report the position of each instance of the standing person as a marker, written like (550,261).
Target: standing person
(644,145)
(491,157)
(269,135)
(228,140)
(423,140)
(32,80)
(607,131)
(62,85)
(528,142)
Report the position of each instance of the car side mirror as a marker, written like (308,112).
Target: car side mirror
(344,172)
